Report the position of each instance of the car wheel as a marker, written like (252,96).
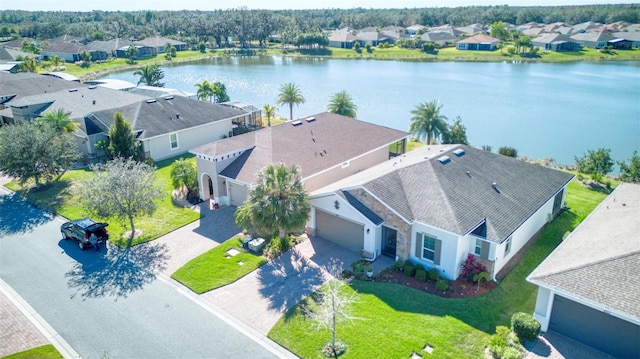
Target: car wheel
(64,236)
(81,245)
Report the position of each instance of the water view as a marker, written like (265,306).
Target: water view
(543,110)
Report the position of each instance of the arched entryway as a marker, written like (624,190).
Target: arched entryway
(207,187)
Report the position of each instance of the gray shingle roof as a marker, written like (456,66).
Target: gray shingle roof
(161,116)
(360,207)
(27,84)
(598,261)
(313,146)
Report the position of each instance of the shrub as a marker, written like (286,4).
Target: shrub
(471,267)
(397,266)
(419,267)
(433,274)
(504,344)
(525,326)
(442,285)
(409,269)
(328,349)
(421,275)
(508,151)
(277,246)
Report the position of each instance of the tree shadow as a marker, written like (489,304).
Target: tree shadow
(113,271)
(288,279)
(19,215)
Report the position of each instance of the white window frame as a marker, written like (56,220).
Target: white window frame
(507,246)
(426,237)
(478,248)
(171,141)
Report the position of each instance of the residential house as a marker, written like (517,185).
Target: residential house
(252,114)
(372,38)
(479,42)
(588,287)
(413,30)
(593,40)
(442,38)
(166,126)
(326,146)
(9,59)
(394,33)
(142,53)
(471,29)
(631,38)
(584,27)
(436,205)
(159,42)
(108,47)
(66,51)
(556,42)
(342,40)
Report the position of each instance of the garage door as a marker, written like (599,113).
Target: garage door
(594,328)
(339,230)
(237,194)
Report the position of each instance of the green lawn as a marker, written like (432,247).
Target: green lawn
(396,320)
(44,352)
(215,268)
(62,198)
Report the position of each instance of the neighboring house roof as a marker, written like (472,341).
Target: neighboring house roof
(342,37)
(109,45)
(598,261)
(158,41)
(534,31)
(371,36)
(592,37)
(17,43)
(154,91)
(458,195)
(63,75)
(9,54)
(113,84)
(314,146)
(28,84)
(630,35)
(551,38)
(438,36)
(163,115)
(64,47)
(582,27)
(479,39)
(471,29)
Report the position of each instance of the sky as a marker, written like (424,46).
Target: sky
(129,5)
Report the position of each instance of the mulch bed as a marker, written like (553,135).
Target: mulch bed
(459,288)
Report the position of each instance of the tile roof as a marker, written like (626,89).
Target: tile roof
(314,146)
(458,195)
(156,117)
(598,261)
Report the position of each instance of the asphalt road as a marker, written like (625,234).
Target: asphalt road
(109,301)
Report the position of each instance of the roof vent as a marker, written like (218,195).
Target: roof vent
(151,101)
(73,90)
(444,159)
(168,98)
(459,152)
(296,123)
(93,87)
(94,102)
(178,115)
(311,119)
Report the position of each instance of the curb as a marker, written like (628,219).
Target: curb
(47,330)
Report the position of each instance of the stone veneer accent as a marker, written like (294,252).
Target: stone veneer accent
(403,244)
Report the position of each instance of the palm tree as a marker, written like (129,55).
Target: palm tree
(342,104)
(60,120)
(150,75)
(278,202)
(219,92)
(269,111)
(205,91)
(290,94)
(427,121)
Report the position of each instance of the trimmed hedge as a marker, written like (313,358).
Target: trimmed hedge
(421,275)
(433,274)
(525,326)
(409,269)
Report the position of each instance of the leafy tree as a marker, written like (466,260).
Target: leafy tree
(427,122)
(499,31)
(342,104)
(29,65)
(596,163)
(85,56)
(508,151)
(150,75)
(205,91)
(457,133)
(183,173)
(122,188)
(55,61)
(38,151)
(278,202)
(219,91)
(269,111)
(630,172)
(202,47)
(332,304)
(132,53)
(291,95)
(60,120)
(122,141)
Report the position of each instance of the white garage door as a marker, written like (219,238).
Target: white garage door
(340,231)
(237,194)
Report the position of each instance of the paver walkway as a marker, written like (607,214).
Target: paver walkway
(552,345)
(17,333)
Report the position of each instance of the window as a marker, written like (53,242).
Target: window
(428,247)
(478,250)
(507,247)
(174,141)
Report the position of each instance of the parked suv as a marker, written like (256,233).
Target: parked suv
(81,230)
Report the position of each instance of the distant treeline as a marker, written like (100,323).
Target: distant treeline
(244,25)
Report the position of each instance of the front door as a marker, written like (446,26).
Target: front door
(389,239)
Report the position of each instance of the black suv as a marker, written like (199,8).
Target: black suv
(81,230)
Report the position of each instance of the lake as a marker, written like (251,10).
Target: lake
(542,109)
